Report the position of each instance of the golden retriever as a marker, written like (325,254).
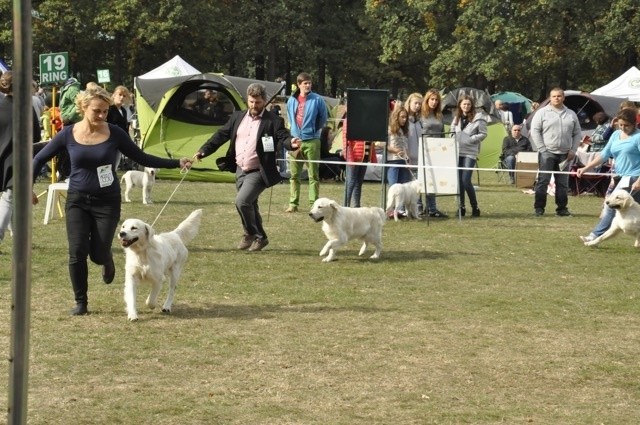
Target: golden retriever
(404,195)
(144,179)
(627,219)
(342,224)
(150,258)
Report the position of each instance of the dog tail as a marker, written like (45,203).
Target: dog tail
(382,215)
(188,229)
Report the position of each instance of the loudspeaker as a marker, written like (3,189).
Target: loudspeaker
(367,114)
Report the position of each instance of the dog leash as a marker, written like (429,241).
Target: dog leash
(184,173)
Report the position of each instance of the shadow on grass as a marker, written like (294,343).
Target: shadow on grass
(250,312)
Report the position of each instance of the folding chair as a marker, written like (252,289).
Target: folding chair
(596,184)
(501,170)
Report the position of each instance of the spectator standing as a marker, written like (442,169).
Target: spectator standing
(360,153)
(255,136)
(470,129)
(398,146)
(556,135)
(6,149)
(118,114)
(68,94)
(511,146)
(432,126)
(92,210)
(506,116)
(307,114)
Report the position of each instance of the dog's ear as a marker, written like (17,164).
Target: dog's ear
(334,205)
(148,230)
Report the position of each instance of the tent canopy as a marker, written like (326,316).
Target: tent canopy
(172,68)
(171,125)
(519,105)
(481,100)
(626,86)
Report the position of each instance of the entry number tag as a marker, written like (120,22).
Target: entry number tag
(105,176)
(267,144)
(625,182)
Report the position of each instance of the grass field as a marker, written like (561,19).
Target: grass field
(506,318)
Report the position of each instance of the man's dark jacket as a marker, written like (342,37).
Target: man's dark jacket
(270,125)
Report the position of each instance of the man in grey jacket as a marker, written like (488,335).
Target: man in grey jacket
(556,135)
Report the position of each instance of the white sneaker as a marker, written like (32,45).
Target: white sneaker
(587,238)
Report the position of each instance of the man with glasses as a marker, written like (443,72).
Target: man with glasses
(511,146)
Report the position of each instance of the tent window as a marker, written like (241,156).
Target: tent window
(201,104)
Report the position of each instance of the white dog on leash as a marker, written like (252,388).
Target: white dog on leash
(150,258)
(342,224)
(627,218)
(145,179)
(404,195)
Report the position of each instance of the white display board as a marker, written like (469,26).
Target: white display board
(437,163)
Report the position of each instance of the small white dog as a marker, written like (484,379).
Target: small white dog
(627,218)
(342,224)
(150,258)
(144,179)
(404,195)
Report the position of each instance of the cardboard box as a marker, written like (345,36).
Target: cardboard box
(526,161)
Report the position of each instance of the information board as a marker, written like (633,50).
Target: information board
(438,162)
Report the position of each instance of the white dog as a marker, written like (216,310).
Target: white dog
(145,179)
(404,195)
(627,218)
(342,224)
(151,258)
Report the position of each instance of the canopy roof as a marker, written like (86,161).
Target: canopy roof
(626,86)
(172,68)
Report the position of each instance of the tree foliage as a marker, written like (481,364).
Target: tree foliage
(404,45)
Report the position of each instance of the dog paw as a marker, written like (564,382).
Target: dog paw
(166,310)
(133,318)
(375,257)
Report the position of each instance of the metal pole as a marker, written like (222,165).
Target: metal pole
(22,190)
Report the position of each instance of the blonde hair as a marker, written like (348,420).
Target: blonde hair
(85,97)
(407,104)
(394,122)
(125,91)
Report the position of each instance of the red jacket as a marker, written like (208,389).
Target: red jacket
(353,150)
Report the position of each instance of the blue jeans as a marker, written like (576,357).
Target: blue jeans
(609,213)
(355,178)
(464,179)
(548,163)
(6,209)
(510,163)
(398,174)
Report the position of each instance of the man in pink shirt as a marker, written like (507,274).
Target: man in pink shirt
(255,136)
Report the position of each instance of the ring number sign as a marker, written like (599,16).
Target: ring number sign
(54,67)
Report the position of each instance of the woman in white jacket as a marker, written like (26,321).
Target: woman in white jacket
(470,129)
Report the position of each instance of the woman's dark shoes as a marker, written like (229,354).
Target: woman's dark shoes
(462,211)
(475,212)
(80,310)
(108,271)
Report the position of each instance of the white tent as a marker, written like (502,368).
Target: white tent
(175,67)
(625,86)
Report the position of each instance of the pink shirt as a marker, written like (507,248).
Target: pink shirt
(246,154)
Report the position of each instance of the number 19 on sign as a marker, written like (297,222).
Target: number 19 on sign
(54,67)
